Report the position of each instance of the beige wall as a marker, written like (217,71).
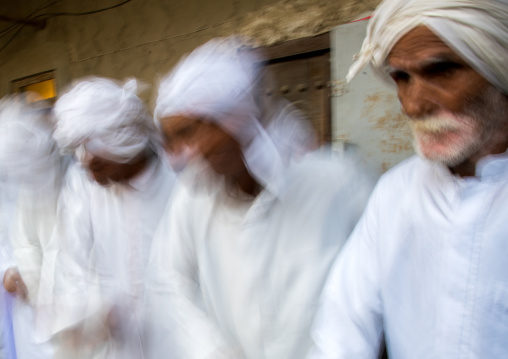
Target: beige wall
(145,38)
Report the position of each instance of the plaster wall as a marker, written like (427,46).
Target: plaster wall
(145,38)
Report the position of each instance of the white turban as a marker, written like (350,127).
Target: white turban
(28,153)
(107,119)
(215,82)
(218,82)
(477,30)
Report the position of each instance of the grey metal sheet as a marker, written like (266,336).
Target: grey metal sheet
(366,112)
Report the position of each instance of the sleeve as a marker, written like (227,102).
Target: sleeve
(174,304)
(6,253)
(27,247)
(74,288)
(6,256)
(349,322)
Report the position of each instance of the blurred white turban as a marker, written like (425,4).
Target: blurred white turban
(218,82)
(477,30)
(104,118)
(28,153)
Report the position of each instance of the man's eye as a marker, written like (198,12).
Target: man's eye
(186,132)
(96,167)
(165,138)
(399,76)
(442,69)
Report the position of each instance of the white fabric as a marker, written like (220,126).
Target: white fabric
(7,208)
(218,82)
(34,250)
(215,82)
(288,128)
(8,199)
(24,334)
(426,264)
(476,29)
(107,119)
(18,216)
(28,154)
(239,277)
(33,172)
(34,223)
(104,237)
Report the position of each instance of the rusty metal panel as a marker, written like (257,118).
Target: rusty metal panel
(366,112)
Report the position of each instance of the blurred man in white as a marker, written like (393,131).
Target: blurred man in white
(254,228)
(106,222)
(426,265)
(32,175)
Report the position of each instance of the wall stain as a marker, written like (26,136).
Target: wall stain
(394,129)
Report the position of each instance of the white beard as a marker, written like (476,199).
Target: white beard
(424,130)
(199,177)
(482,118)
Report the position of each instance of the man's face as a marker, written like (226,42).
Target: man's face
(104,171)
(191,136)
(453,110)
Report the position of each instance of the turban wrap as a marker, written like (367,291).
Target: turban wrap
(107,119)
(219,82)
(477,30)
(28,153)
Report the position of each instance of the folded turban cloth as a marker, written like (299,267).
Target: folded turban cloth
(28,153)
(477,30)
(219,82)
(105,118)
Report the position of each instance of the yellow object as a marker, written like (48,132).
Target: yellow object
(44,90)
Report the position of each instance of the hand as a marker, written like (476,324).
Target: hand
(13,283)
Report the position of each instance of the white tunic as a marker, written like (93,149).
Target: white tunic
(236,277)
(30,225)
(105,236)
(33,228)
(7,207)
(8,199)
(427,264)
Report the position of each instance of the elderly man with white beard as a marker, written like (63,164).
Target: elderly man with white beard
(239,266)
(106,219)
(426,265)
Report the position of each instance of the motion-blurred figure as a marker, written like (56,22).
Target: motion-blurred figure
(106,219)
(240,261)
(32,175)
(426,265)
(8,197)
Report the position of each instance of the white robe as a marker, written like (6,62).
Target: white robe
(7,207)
(234,277)
(426,265)
(8,199)
(105,236)
(30,225)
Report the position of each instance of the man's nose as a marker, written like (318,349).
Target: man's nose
(416,98)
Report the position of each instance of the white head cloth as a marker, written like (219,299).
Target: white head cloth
(476,29)
(218,82)
(104,118)
(28,153)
